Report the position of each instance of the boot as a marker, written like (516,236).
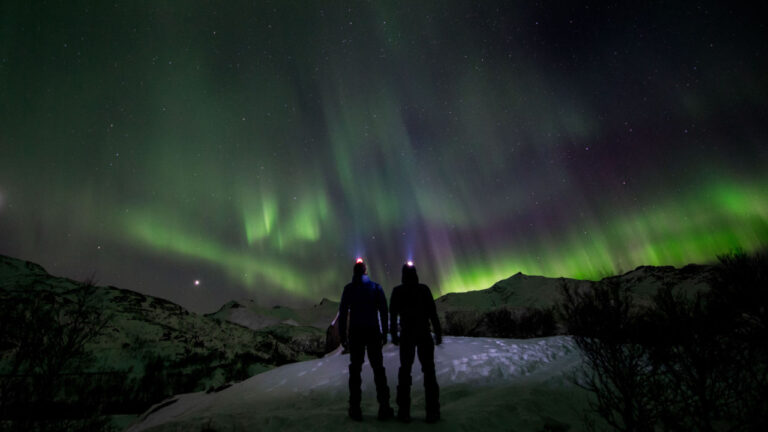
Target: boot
(404,414)
(355,413)
(431,395)
(404,397)
(433,416)
(386,412)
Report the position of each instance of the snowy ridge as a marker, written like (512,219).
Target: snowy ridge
(144,331)
(471,313)
(485,383)
(522,290)
(249,314)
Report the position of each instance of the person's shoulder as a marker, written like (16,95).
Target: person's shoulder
(424,288)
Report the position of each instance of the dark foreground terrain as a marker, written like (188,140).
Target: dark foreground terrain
(643,345)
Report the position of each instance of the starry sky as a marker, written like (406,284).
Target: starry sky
(259,147)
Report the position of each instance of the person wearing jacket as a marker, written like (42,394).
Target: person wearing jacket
(364,301)
(413,303)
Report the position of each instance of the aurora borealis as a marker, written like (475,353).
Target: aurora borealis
(259,147)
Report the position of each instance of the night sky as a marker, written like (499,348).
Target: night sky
(259,147)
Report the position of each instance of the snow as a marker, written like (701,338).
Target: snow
(249,314)
(486,384)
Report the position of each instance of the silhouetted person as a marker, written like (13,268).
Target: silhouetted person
(366,303)
(414,303)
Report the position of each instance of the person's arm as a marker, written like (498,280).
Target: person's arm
(383,315)
(394,310)
(432,309)
(343,310)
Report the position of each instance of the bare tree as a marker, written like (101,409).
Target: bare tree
(616,368)
(45,337)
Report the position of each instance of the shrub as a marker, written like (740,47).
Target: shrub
(687,362)
(45,382)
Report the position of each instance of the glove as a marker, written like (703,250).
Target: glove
(438,339)
(383,339)
(395,339)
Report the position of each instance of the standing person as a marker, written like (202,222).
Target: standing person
(365,301)
(414,303)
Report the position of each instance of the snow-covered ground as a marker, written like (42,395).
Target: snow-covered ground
(486,384)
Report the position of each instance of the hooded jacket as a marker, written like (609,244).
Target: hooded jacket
(413,302)
(367,306)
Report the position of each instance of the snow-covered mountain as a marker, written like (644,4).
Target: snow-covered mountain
(249,314)
(485,384)
(530,299)
(153,347)
(522,290)
(526,300)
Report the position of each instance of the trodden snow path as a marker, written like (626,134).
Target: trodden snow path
(485,384)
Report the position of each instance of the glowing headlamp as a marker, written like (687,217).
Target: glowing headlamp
(359,261)
(409,263)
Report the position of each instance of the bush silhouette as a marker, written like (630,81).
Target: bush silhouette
(46,382)
(688,361)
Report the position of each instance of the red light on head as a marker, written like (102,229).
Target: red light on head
(359,261)
(409,263)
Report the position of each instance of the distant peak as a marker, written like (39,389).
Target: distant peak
(519,275)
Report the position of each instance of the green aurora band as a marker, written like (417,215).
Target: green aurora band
(261,147)
(717,219)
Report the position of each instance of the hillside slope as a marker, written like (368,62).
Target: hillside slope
(485,384)
(150,347)
(522,305)
(249,314)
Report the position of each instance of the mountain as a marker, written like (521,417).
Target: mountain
(485,384)
(249,314)
(121,351)
(520,306)
(124,349)
(310,329)
(523,306)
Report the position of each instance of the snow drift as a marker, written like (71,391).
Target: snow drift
(486,384)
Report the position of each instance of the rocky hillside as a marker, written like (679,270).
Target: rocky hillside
(249,314)
(520,306)
(523,306)
(127,349)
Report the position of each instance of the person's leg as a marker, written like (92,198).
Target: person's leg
(407,354)
(376,359)
(356,357)
(426,351)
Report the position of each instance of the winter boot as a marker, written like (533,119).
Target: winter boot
(386,412)
(404,396)
(355,413)
(433,417)
(404,414)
